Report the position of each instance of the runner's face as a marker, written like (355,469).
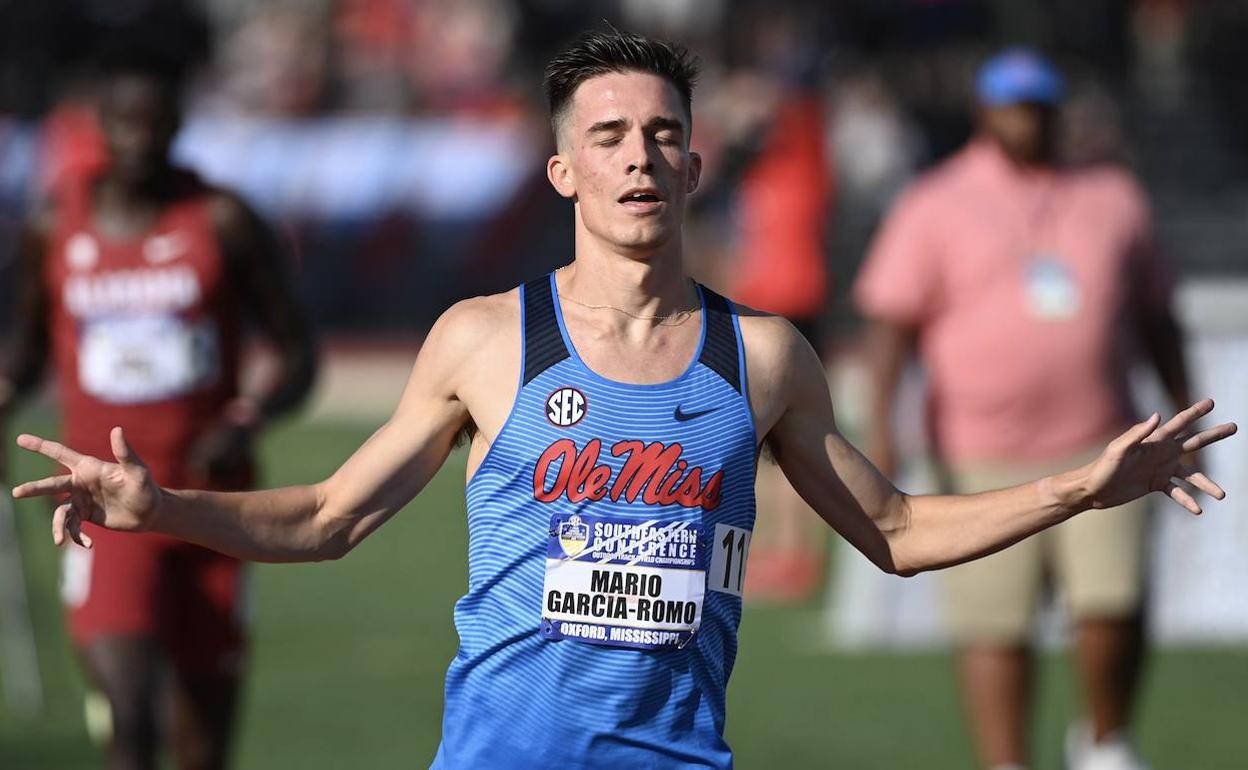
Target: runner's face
(139,120)
(625,160)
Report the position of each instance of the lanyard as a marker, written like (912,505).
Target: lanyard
(1040,219)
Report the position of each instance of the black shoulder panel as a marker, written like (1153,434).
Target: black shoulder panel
(719,351)
(543,344)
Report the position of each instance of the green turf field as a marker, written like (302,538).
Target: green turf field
(349,657)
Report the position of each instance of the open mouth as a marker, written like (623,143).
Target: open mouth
(641,196)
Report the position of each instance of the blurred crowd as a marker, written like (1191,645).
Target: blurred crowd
(300,58)
(398,140)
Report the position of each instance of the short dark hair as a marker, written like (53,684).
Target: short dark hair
(611,50)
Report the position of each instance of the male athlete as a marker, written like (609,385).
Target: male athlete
(609,490)
(136,279)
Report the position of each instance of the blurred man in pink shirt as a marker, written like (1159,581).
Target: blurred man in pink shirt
(1027,288)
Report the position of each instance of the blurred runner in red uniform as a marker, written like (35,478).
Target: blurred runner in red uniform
(137,277)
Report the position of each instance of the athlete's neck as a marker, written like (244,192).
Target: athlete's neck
(122,191)
(654,288)
(125,208)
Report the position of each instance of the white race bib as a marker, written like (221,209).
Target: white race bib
(623,582)
(135,360)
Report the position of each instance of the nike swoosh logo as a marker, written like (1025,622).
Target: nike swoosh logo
(680,416)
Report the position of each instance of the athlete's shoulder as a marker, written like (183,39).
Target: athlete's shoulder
(64,204)
(478,318)
(471,348)
(766,335)
(778,358)
(473,336)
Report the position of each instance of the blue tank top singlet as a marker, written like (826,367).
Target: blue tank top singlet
(608,526)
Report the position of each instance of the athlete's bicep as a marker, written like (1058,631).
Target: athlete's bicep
(830,474)
(396,462)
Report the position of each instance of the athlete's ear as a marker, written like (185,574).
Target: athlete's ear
(695,172)
(559,172)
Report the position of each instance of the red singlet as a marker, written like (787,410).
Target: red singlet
(145,334)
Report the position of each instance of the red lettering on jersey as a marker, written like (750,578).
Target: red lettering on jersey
(589,479)
(667,490)
(644,468)
(653,472)
(563,449)
(690,488)
(711,492)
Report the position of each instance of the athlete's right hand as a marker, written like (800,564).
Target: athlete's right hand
(120,495)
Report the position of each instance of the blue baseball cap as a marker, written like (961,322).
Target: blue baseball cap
(1019,75)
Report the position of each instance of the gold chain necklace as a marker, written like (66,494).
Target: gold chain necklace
(674,318)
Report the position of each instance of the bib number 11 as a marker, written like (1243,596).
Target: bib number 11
(731,548)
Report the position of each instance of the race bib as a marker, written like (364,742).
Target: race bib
(623,582)
(147,358)
(729,549)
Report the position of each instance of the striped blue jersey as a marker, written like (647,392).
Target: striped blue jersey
(608,526)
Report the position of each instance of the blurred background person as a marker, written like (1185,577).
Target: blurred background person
(135,279)
(1025,286)
(774,179)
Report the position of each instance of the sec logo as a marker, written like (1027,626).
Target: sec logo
(565,407)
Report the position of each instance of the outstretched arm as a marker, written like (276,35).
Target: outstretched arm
(907,534)
(302,523)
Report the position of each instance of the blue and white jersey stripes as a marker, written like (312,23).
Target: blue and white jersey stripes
(516,698)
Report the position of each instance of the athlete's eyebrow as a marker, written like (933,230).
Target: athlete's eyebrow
(606,126)
(662,123)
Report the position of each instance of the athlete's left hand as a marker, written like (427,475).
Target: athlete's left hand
(1149,458)
(120,496)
